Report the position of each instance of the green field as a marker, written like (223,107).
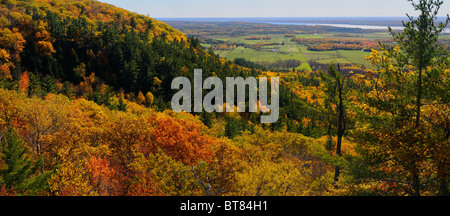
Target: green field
(287,50)
(355,56)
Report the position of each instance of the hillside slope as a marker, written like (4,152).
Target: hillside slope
(69,40)
(70,74)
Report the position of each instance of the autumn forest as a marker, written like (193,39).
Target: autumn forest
(85,92)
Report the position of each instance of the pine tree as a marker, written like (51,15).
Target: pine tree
(49,84)
(206,118)
(122,106)
(232,127)
(402,137)
(66,90)
(18,172)
(419,41)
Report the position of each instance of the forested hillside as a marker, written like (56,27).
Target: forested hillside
(85,90)
(70,40)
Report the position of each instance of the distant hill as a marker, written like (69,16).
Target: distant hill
(81,84)
(69,40)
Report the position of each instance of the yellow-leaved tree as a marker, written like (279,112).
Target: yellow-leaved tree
(403,131)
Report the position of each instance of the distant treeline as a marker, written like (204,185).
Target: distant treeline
(328,44)
(232,46)
(280,65)
(204,29)
(249,64)
(345,68)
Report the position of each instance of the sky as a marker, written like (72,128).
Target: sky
(270,8)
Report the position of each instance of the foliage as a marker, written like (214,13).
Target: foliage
(94,150)
(18,173)
(400,134)
(322,44)
(85,92)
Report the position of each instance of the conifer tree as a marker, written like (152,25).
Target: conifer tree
(400,133)
(419,42)
(19,169)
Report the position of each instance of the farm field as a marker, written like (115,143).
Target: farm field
(288,50)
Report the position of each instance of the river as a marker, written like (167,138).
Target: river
(376,23)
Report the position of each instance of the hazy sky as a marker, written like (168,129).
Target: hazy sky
(270,8)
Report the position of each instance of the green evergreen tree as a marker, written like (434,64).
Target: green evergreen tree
(66,90)
(122,105)
(49,84)
(419,42)
(233,127)
(35,87)
(206,118)
(401,134)
(19,170)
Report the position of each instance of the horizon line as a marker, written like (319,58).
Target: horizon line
(294,17)
(289,17)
